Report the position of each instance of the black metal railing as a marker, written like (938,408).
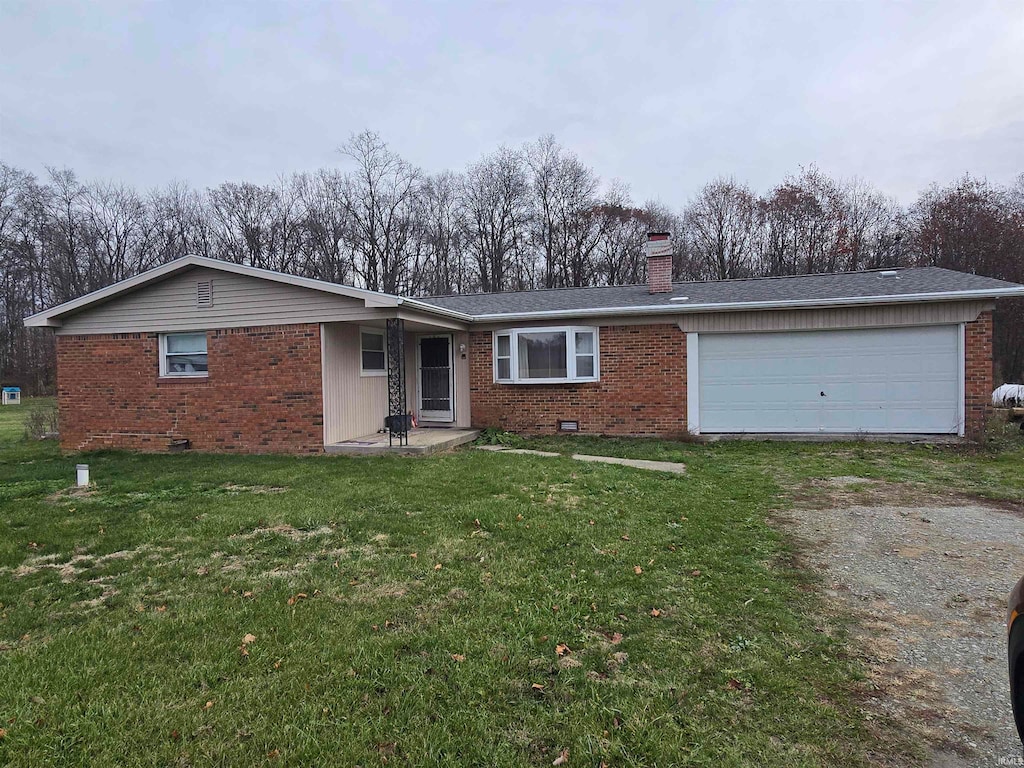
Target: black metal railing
(398,414)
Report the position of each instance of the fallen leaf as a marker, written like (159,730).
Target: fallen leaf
(244,650)
(161,608)
(437,567)
(413,555)
(274,753)
(458,657)
(561,649)
(637,570)
(624,537)
(655,612)
(175,736)
(249,638)
(537,687)
(616,638)
(208,705)
(695,572)
(247,594)
(296,598)
(562,758)
(734,684)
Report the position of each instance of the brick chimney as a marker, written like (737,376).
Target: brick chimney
(659,262)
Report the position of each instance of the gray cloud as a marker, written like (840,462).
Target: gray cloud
(663,95)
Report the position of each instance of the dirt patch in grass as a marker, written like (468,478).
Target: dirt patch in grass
(851,491)
(258,489)
(287,531)
(70,569)
(72,493)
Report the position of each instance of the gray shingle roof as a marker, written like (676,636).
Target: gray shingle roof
(798,289)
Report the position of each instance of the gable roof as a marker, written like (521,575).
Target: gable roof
(835,289)
(52,317)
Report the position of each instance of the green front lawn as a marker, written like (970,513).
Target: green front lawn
(464,609)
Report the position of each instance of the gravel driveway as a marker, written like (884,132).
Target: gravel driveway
(927,579)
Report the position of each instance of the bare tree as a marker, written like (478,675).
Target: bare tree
(381,199)
(496,195)
(327,226)
(620,255)
(720,227)
(442,267)
(563,225)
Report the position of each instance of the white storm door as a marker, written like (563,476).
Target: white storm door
(435,379)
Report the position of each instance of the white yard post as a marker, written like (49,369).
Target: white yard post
(83,474)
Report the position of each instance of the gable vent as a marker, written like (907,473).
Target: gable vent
(204,293)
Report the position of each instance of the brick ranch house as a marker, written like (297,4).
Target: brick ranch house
(233,358)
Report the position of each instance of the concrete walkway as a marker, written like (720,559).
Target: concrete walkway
(657,466)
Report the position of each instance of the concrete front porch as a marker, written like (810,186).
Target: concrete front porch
(422,440)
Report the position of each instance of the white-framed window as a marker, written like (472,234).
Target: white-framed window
(183,354)
(372,352)
(546,355)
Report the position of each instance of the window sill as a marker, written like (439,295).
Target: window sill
(509,382)
(192,377)
(372,374)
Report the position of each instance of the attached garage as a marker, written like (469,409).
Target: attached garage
(873,380)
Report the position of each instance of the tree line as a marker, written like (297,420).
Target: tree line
(534,216)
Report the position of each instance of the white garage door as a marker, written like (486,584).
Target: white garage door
(891,380)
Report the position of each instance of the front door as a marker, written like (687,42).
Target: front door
(436,383)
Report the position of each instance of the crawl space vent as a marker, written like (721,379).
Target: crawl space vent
(204,293)
(568,426)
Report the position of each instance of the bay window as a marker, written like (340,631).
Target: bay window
(546,355)
(183,354)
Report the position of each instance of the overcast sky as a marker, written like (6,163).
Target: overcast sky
(663,95)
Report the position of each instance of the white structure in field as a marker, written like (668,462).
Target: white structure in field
(11,396)
(1009,396)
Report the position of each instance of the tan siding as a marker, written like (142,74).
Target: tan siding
(463,417)
(840,317)
(238,301)
(354,405)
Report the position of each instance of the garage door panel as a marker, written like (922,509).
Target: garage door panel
(873,380)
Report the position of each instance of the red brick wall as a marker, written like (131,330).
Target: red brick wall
(642,390)
(659,274)
(978,375)
(263,393)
